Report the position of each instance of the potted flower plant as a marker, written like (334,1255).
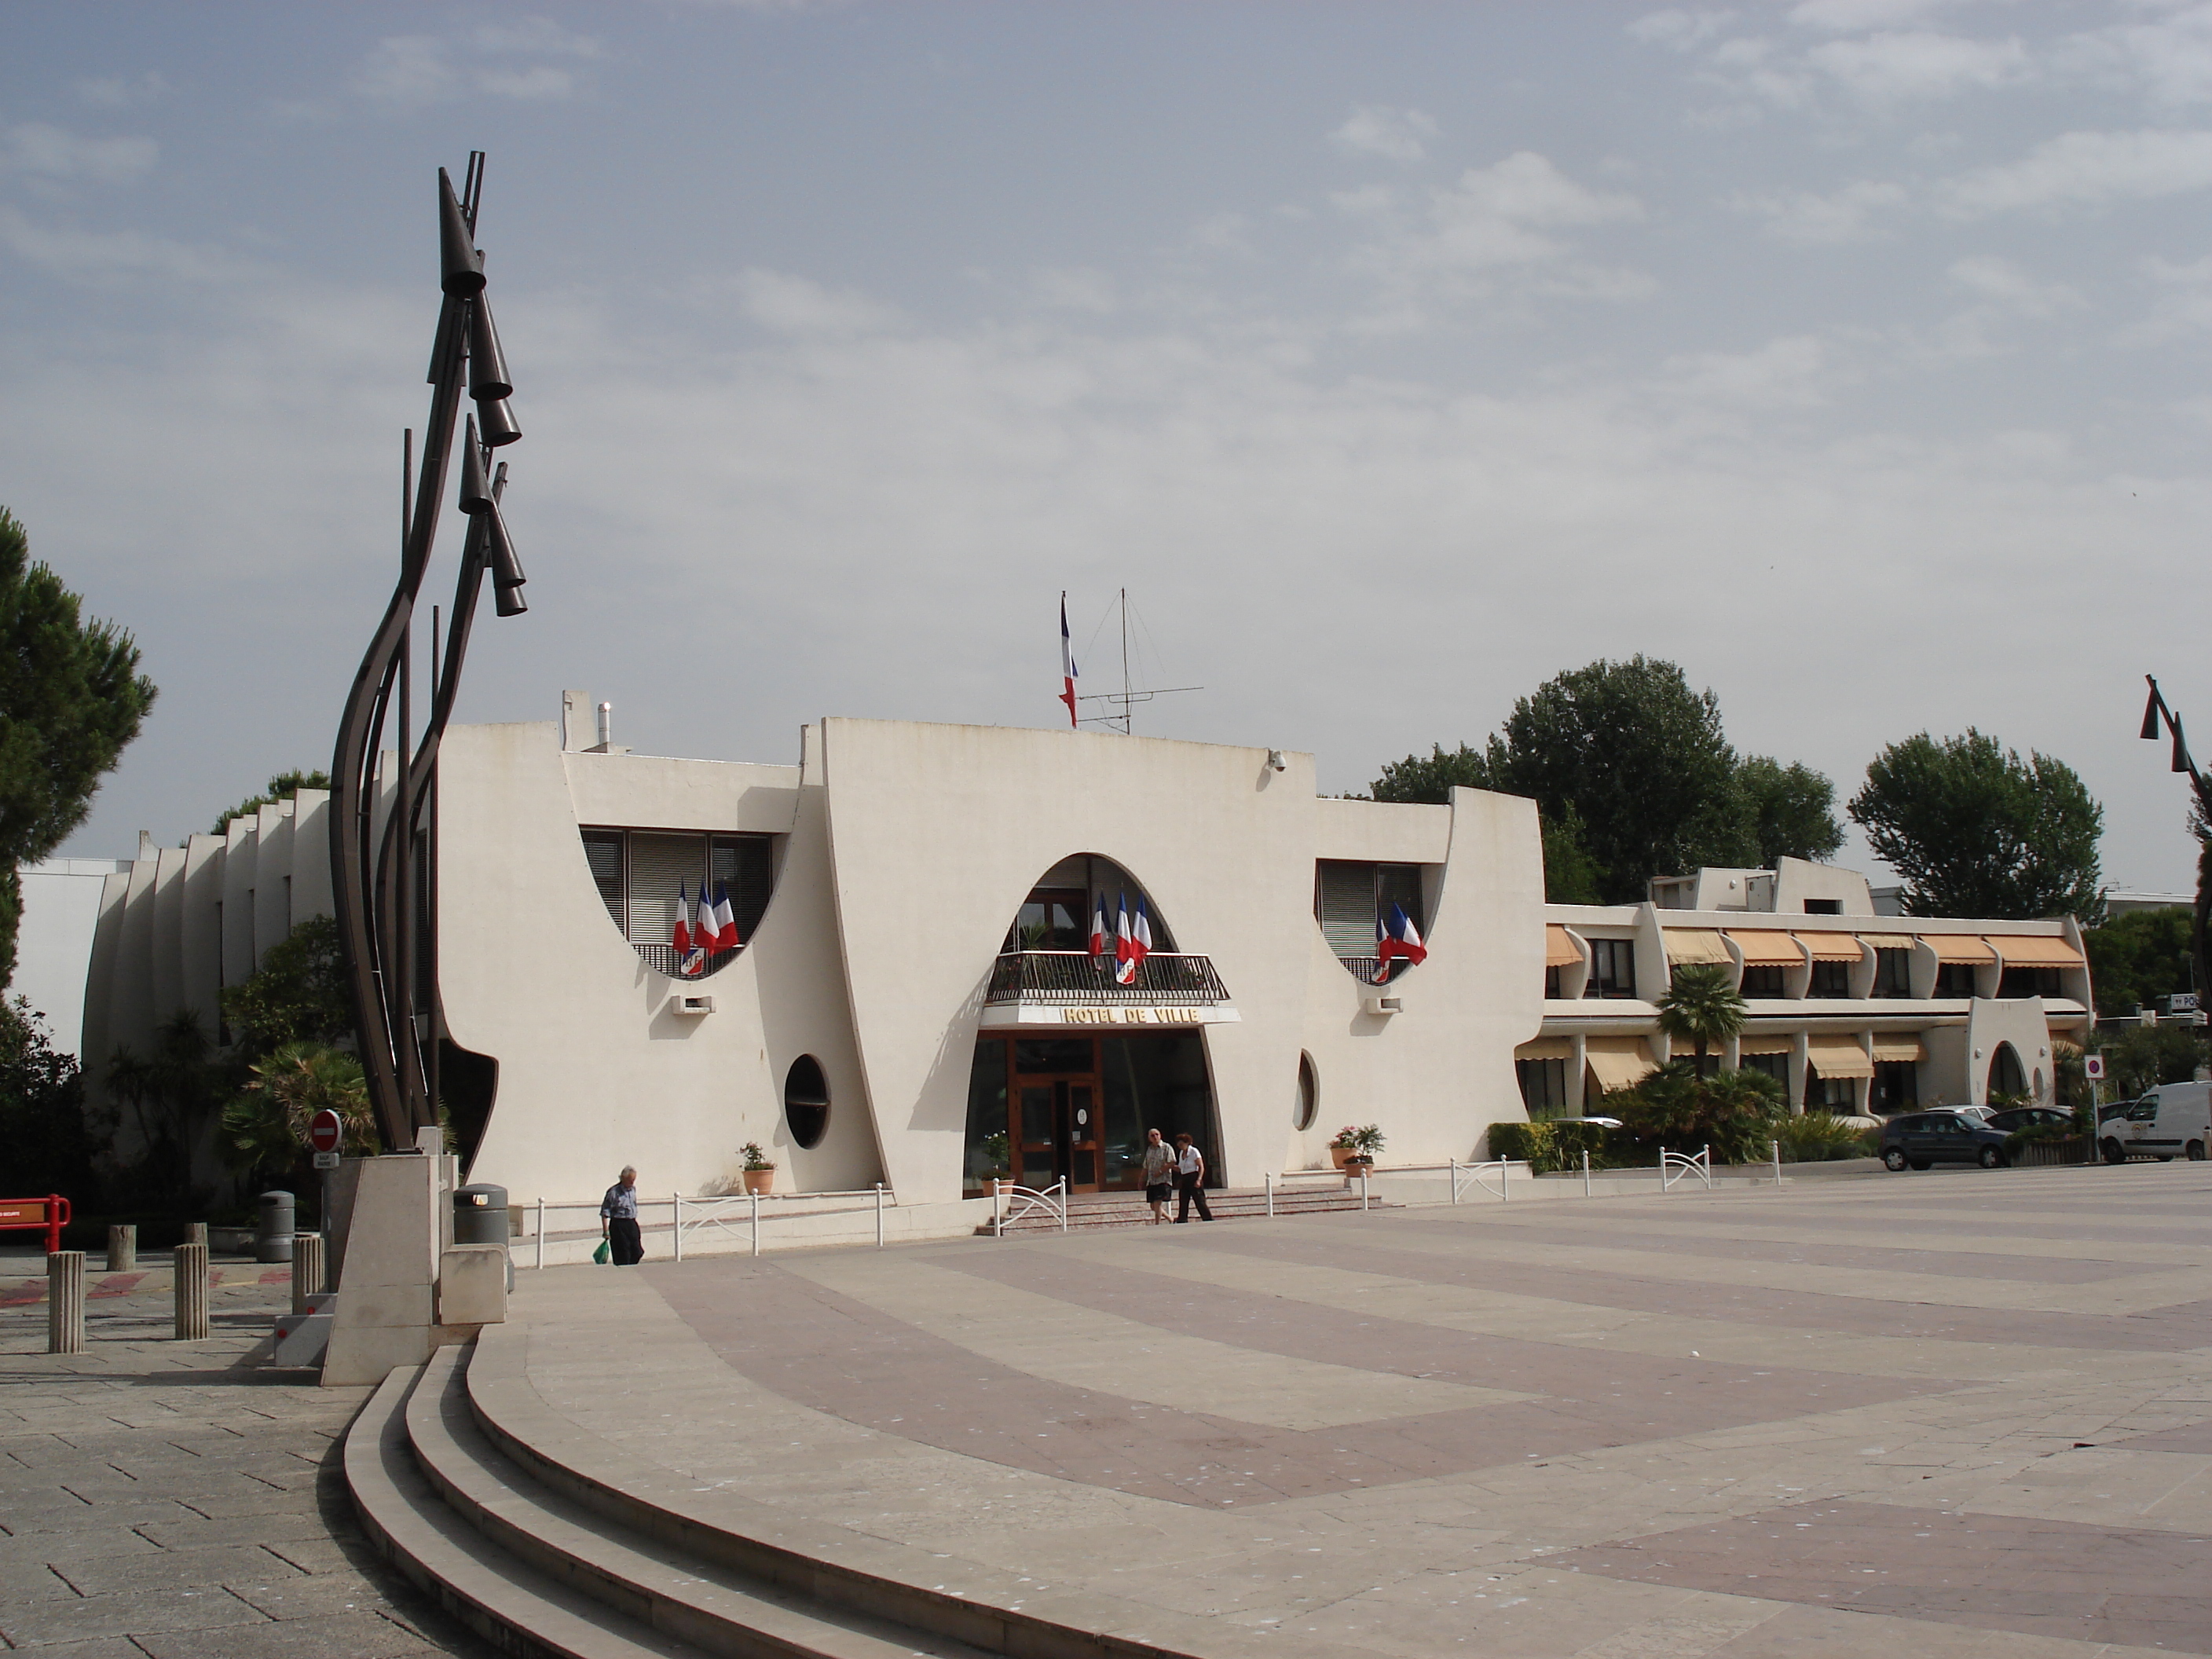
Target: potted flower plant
(1353,1147)
(760,1174)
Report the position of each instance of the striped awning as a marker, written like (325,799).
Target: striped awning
(1778,1043)
(1546,1048)
(1839,1056)
(1560,950)
(1830,947)
(1959,948)
(1619,1062)
(1889,941)
(1890,1049)
(2034,950)
(1686,945)
(1763,949)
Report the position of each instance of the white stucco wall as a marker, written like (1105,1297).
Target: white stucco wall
(54,941)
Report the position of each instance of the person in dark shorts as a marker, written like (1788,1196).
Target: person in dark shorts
(618,1220)
(1159,1175)
(1190,1180)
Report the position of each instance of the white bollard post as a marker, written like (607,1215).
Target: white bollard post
(755,1197)
(998,1206)
(1363,1189)
(1586,1186)
(541,1232)
(1271,1194)
(1778,1161)
(1063,1189)
(1504,1178)
(1454,1166)
(880,1215)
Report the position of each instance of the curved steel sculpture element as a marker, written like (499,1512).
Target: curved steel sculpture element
(383,857)
(2200,914)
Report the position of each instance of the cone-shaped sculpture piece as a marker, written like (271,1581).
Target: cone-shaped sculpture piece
(2180,749)
(2150,713)
(499,426)
(476,489)
(487,362)
(507,577)
(460,266)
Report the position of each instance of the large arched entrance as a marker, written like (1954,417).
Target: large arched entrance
(2006,1077)
(1072,1066)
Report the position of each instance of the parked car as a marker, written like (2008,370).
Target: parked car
(1917,1139)
(2013,1119)
(2174,1117)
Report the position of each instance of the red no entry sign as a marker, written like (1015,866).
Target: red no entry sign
(326,1131)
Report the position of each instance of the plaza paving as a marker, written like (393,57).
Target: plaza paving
(180,1500)
(1951,1413)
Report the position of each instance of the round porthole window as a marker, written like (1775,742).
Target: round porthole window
(806,1101)
(1309,1101)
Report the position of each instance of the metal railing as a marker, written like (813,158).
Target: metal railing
(736,1216)
(1369,971)
(1078,977)
(1004,1194)
(662,959)
(1677,1166)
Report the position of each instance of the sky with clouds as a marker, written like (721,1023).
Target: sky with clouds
(1852,354)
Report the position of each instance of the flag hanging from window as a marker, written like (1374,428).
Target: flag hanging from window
(1099,928)
(682,941)
(1140,935)
(1125,963)
(725,918)
(1067,662)
(1396,940)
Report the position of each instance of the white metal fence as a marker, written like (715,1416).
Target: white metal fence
(735,1218)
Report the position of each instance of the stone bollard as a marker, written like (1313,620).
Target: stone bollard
(122,1248)
(191,1292)
(196,1232)
(306,1268)
(65,1302)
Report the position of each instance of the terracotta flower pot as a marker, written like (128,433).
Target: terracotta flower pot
(1341,1156)
(760,1180)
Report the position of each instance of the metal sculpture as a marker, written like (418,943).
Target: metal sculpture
(2200,916)
(383,818)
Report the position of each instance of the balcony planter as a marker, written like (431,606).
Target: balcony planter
(760,1181)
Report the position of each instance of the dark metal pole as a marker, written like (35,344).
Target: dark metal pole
(2200,914)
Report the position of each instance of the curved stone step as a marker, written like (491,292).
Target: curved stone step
(660,1588)
(517,1610)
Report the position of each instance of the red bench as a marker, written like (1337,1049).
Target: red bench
(48,1215)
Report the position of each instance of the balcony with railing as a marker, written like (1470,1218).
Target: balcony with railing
(688,965)
(1077,978)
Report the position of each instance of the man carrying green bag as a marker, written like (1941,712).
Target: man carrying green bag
(618,1224)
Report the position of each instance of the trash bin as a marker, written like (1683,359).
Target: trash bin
(272,1238)
(480,1215)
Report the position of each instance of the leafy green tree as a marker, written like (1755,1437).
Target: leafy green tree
(70,700)
(1634,778)
(41,1109)
(1793,810)
(2139,1059)
(298,996)
(265,1127)
(172,1093)
(1976,831)
(281,787)
(1701,1007)
(1735,1112)
(2138,957)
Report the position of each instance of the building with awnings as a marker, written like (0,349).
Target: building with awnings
(1850,1012)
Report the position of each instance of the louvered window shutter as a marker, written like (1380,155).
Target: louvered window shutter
(1401,884)
(602,850)
(659,865)
(745,864)
(1344,903)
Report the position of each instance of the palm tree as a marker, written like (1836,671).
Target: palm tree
(1701,1005)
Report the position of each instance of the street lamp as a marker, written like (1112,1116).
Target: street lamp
(2200,921)
(383,841)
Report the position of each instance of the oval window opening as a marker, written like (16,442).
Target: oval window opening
(1309,1103)
(806,1101)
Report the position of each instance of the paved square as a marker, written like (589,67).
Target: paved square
(1951,1413)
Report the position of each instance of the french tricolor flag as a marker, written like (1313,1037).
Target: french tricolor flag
(682,939)
(1099,928)
(725,918)
(1398,940)
(1125,963)
(1067,663)
(1141,934)
(691,943)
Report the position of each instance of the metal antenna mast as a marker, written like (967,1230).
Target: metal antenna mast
(1125,700)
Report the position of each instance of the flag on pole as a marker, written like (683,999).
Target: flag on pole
(1141,936)
(1125,960)
(682,939)
(1098,928)
(1398,940)
(691,943)
(1067,662)
(725,918)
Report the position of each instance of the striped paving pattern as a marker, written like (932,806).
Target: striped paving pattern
(1952,1414)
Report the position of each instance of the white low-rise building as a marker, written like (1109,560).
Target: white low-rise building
(912,999)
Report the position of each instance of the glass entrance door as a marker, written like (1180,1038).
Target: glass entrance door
(1058,1126)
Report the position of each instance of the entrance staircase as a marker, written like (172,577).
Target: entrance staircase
(1128,1209)
(483,1509)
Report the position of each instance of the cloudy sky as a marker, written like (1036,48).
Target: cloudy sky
(1852,354)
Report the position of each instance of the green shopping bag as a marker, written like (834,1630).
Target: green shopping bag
(600,1254)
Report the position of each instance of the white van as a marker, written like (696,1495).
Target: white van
(2173,1118)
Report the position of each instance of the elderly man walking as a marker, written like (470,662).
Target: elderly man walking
(618,1220)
